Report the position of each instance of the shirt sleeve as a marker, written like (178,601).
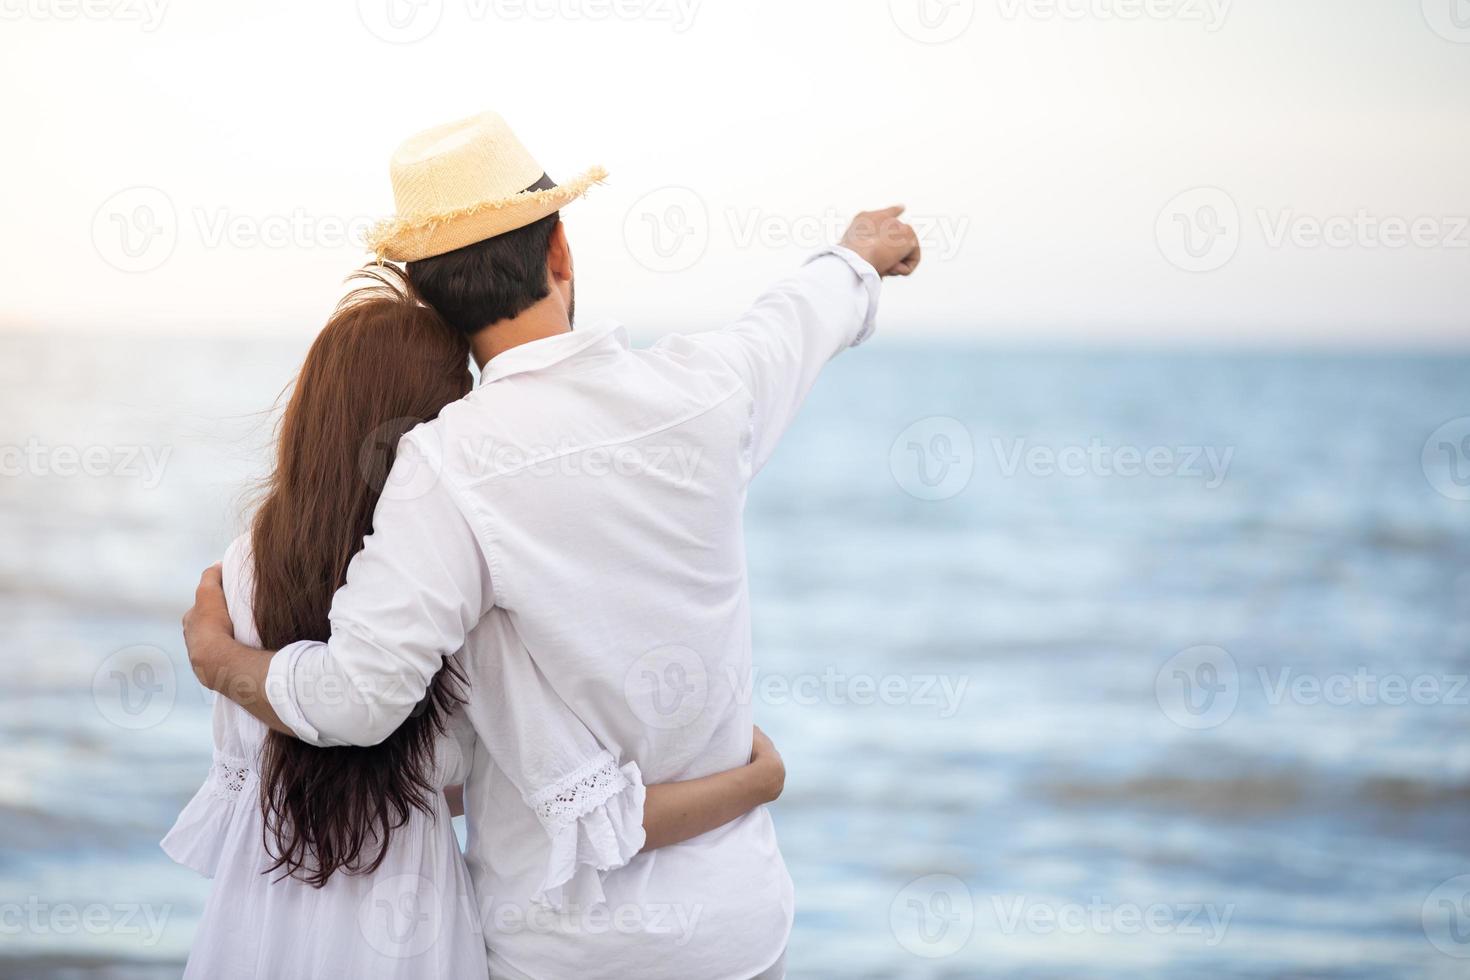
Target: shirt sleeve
(780,345)
(588,800)
(413,592)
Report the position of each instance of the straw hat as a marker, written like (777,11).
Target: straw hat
(463,182)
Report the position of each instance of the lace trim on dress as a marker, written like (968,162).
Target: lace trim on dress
(573,797)
(228,778)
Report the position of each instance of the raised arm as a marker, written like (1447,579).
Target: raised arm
(412,593)
(780,344)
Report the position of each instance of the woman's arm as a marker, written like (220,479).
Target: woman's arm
(675,812)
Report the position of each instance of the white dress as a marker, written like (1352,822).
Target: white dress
(414,918)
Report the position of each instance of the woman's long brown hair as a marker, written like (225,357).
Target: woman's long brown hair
(383,364)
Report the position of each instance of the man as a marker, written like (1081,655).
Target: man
(582,509)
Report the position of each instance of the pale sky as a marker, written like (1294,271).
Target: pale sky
(194,165)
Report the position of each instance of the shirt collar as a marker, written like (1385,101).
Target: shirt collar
(549,351)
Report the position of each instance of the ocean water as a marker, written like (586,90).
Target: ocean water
(1083,664)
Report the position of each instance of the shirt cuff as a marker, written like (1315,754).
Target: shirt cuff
(280,690)
(872,283)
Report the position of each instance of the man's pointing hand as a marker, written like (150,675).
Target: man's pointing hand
(886,243)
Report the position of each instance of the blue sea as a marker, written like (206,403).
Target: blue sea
(1084,664)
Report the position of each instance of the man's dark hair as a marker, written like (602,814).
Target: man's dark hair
(489,281)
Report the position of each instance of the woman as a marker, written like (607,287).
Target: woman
(342,862)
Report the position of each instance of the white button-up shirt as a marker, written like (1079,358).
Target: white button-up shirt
(572,530)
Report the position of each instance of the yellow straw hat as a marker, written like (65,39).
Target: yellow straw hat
(463,182)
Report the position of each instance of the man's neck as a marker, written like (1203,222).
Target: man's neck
(546,319)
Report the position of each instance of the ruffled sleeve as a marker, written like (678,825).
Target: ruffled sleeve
(594,818)
(227,803)
(198,837)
